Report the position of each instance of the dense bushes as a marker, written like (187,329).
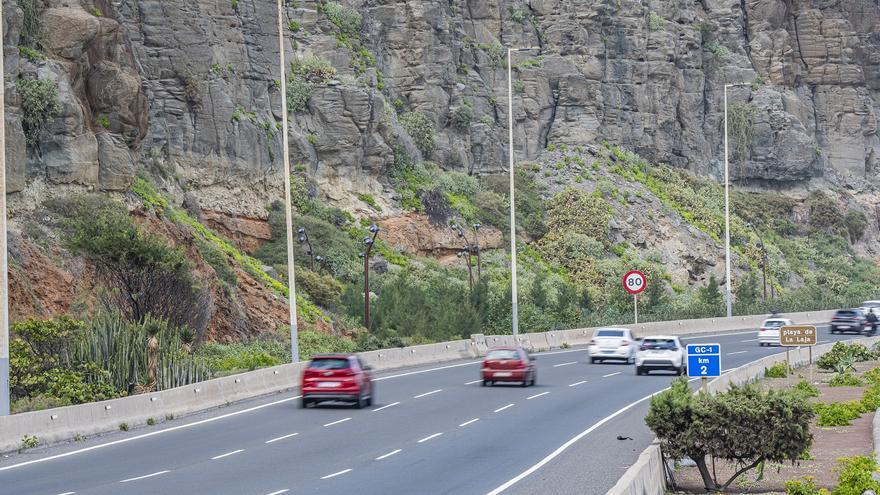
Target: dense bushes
(146,277)
(39,105)
(743,425)
(844,353)
(421,130)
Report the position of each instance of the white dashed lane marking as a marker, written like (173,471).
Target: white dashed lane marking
(469,422)
(337,422)
(335,474)
(388,454)
(221,456)
(611,374)
(386,407)
(575,384)
(282,438)
(428,393)
(429,437)
(537,395)
(503,408)
(145,476)
(564,364)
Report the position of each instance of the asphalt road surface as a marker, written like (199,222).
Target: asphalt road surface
(432,430)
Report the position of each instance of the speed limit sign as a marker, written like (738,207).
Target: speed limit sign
(634,282)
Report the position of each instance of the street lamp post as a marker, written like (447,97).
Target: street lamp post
(368,247)
(304,239)
(466,253)
(294,337)
(476,227)
(513,287)
(4,273)
(727,292)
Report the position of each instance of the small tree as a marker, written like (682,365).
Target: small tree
(710,295)
(743,425)
(747,291)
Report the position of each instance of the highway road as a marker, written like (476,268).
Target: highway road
(433,430)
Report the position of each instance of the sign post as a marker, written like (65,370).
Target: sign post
(704,361)
(635,282)
(798,336)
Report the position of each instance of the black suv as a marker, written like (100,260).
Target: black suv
(848,320)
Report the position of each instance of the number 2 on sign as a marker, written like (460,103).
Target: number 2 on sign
(704,370)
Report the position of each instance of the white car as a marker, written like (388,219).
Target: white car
(661,352)
(613,343)
(768,334)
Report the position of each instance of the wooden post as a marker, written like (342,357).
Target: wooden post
(811,364)
(704,384)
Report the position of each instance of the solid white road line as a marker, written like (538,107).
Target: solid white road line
(150,434)
(564,364)
(578,383)
(428,393)
(737,352)
(221,456)
(335,474)
(720,334)
(279,492)
(473,382)
(337,422)
(611,374)
(469,422)
(435,435)
(67,493)
(386,407)
(568,444)
(282,438)
(388,454)
(503,408)
(749,340)
(145,476)
(537,395)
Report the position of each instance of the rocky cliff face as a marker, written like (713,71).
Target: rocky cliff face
(189,89)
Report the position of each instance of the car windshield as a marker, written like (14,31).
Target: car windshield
(774,323)
(871,304)
(499,354)
(329,364)
(845,314)
(659,344)
(609,333)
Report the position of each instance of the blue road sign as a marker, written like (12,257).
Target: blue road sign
(704,360)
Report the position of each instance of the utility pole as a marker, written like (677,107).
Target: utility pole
(727,294)
(368,247)
(513,288)
(4,267)
(291,278)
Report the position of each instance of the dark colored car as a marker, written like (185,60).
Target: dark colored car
(509,364)
(337,377)
(848,320)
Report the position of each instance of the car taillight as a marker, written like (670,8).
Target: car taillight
(592,342)
(643,347)
(520,364)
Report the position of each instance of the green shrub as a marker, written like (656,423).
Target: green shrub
(97,12)
(313,69)
(299,92)
(778,370)
(855,222)
(519,15)
(370,200)
(218,261)
(421,130)
(123,426)
(349,21)
(151,421)
(294,26)
(842,352)
(29,442)
(462,118)
(103,121)
(31,29)
(806,389)
(39,106)
(836,414)
(855,476)
(741,127)
(804,487)
(30,53)
(244,356)
(845,380)
(38,402)
(311,343)
(655,22)
(323,289)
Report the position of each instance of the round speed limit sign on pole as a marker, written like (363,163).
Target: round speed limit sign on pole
(635,282)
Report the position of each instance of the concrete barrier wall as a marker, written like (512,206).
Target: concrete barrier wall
(63,423)
(641,478)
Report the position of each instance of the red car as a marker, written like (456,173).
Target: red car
(509,364)
(337,377)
